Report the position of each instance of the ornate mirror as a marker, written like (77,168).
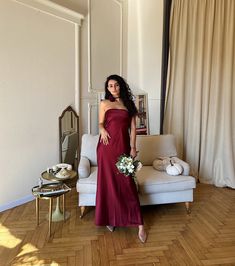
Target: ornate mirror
(69,136)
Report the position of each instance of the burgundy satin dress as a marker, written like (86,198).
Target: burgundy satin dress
(117,202)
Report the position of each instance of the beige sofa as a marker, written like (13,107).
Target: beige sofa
(155,187)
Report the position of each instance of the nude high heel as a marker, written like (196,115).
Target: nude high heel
(110,228)
(142,237)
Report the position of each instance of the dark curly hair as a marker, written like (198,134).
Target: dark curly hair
(125,93)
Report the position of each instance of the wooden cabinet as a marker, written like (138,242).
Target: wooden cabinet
(142,117)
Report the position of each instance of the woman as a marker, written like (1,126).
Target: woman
(117,202)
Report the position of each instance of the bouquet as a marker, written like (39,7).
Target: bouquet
(128,166)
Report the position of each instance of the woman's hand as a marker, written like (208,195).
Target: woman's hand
(133,152)
(104,136)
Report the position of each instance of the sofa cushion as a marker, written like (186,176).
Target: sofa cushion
(153,181)
(84,167)
(149,180)
(88,148)
(88,185)
(151,147)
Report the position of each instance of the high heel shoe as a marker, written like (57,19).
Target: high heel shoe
(110,228)
(142,237)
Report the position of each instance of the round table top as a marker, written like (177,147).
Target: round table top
(51,177)
(52,190)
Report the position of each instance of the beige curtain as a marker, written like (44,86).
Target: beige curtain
(200,102)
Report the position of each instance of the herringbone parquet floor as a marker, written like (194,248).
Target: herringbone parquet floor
(205,237)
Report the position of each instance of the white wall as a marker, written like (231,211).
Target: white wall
(145,24)
(141,54)
(107,39)
(37,70)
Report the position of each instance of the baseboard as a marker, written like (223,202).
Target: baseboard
(15,203)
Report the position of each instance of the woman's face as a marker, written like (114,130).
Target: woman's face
(114,88)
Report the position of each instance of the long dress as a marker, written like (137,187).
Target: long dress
(117,202)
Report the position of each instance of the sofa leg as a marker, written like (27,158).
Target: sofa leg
(188,209)
(82,210)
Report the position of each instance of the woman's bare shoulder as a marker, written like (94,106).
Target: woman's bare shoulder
(104,103)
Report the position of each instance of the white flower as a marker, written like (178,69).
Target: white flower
(128,166)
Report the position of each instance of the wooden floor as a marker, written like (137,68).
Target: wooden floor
(205,237)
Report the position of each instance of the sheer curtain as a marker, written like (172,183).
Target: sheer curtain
(200,101)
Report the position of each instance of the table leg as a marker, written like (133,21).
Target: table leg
(64,205)
(37,210)
(50,215)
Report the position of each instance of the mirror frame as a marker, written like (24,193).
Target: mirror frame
(68,109)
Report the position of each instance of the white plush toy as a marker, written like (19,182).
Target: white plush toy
(174,169)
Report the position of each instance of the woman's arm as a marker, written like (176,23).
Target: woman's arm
(133,151)
(104,135)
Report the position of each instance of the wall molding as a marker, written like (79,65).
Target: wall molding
(89,41)
(54,9)
(89,118)
(63,13)
(16,203)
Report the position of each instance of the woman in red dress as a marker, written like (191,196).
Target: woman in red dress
(117,202)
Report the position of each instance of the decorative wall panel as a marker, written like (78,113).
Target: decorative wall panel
(105,41)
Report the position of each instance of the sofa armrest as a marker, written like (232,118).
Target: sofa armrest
(84,167)
(185,165)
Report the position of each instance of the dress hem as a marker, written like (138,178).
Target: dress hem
(126,225)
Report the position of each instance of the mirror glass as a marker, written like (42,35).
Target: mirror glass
(69,136)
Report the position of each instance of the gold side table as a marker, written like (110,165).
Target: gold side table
(49,191)
(57,215)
